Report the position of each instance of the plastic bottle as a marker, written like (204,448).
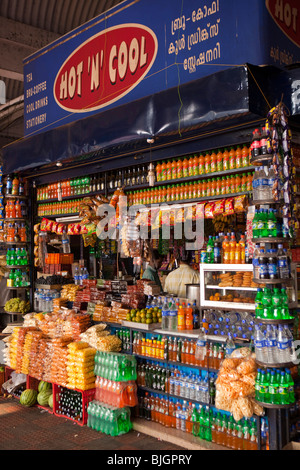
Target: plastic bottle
(230,346)
(232,245)
(260,345)
(283,353)
(189,317)
(283,389)
(196,316)
(255,145)
(271,343)
(226,250)
(172,317)
(65,243)
(210,250)
(165,314)
(181,318)
(217,253)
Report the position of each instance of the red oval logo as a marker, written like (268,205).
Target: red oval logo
(105,68)
(286,15)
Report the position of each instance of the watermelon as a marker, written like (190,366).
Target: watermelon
(28,397)
(43,397)
(50,401)
(44,386)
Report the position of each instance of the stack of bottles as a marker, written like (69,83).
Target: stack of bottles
(272,263)
(225,249)
(73,187)
(116,375)
(15,231)
(108,419)
(17,257)
(80,366)
(15,186)
(115,392)
(15,209)
(221,186)
(178,350)
(202,421)
(238,324)
(179,316)
(197,165)
(266,223)
(197,386)
(272,303)
(69,404)
(274,344)
(275,386)
(264,181)
(17,278)
(57,208)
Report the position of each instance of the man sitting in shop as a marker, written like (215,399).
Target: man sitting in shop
(151,272)
(177,280)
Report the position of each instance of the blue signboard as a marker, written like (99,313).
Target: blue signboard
(142,47)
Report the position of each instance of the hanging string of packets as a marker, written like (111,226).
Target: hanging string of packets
(279,144)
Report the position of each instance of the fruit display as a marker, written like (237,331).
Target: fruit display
(28,397)
(16,305)
(145,315)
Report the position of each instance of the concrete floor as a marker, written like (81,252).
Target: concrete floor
(24,428)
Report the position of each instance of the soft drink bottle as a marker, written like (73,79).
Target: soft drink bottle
(283,389)
(273,389)
(291,386)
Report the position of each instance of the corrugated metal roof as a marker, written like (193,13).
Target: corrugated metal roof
(58,16)
(55,16)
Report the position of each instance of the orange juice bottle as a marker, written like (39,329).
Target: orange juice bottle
(238,184)
(207,161)
(195,190)
(227,185)
(204,188)
(201,165)
(232,163)
(249,181)
(196,165)
(185,191)
(238,157)
(233,184)
(163,171)
(232,247)
(168,193)
(169,170)
(213,162)
(174,170)
(219,187)
(164,193)
(158,171)
(225,250)
(225,160)
(219,160)
(182,191)
(185,167)
(223,186)
(243,248)
(237,257)
(191,165)
(245,156)
(244,183)
(213,187)
(208,188)
(172,193)
(177,192)
(199,188)
(190,190)
(179,169)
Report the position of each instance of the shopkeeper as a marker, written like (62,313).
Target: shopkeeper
(177,280)
(151,272)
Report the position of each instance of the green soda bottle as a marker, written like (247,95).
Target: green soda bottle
(291,389)
(283,389)
(258,303)
(273,389)
(271,224)
(258,384)
(276,304)
(202,423)
(207,428)
(195,421)
(266,302)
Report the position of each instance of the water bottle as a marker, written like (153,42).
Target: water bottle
(65,243)
(149,301)
(260,345)
(172,316)
(255,184)
(271,343)
(282,346)
(229,346)
(77,276)
(84,274)
(292,351)
(165,315)
(201,346)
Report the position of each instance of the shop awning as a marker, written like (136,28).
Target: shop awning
(220,101)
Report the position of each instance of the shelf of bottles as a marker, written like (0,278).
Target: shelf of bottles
(272,271)
(177,390)
(15,235)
